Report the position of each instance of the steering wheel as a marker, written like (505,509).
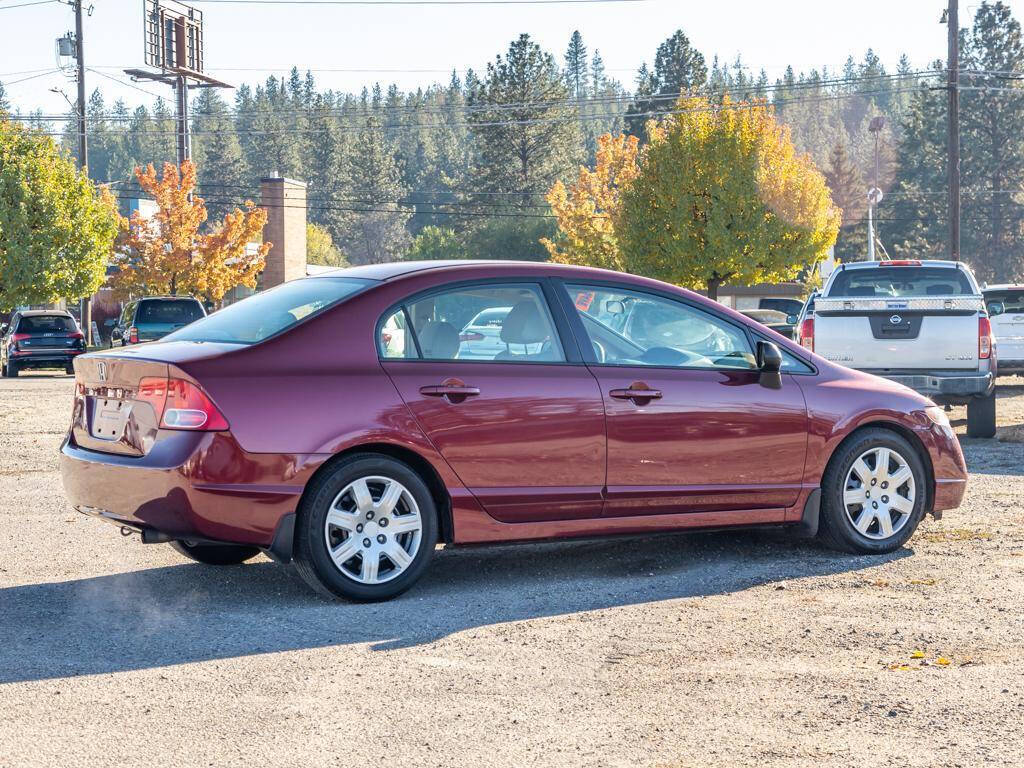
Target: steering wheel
(599,351)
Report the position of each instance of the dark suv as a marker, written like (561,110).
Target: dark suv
(40,338)
(153,318)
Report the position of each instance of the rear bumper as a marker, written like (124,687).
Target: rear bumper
(191,485)
(57,359)
(945,386)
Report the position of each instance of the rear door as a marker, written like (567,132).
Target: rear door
(1006,312)
(690,428)
(899,317)
(523,427)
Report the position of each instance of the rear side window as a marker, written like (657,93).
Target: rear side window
(169,311)
(47,324)
(901,282)
(265,314)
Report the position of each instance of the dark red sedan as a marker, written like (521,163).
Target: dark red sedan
(351,421)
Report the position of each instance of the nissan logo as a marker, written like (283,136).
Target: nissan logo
(103,371)
(895,319)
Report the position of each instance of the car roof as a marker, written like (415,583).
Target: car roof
(1003,287)
(398,269)
(167,298)
(46,313)
(924,263)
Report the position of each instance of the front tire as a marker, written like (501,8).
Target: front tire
(215,554)
(873,493)
(366,529)
(981,416)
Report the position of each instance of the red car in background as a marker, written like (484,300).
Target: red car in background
(333,421)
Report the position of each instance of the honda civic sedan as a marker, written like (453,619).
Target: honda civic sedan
(297,424)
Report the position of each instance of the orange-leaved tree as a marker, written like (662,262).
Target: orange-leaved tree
(587,209)
(167,253)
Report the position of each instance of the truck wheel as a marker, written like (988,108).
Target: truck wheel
(872,493)
(981,416)
(215,554)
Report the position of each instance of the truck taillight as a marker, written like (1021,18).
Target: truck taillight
(133,335)
(180,404)
(807,333)
(984,338)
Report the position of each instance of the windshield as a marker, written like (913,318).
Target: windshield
(889,282)
(169,311)
(47,324)
(264,314)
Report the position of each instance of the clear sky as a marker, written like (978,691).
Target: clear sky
(416,45)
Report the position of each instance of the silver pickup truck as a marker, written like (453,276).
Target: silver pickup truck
(920,323)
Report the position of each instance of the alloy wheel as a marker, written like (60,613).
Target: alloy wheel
(879,493)
(373,529)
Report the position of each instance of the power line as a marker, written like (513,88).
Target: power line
(26,5)
(419,2)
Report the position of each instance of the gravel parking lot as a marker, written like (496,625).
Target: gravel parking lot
(680,650)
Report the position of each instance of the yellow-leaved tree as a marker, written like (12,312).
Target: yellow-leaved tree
(587,209)
(723,195)
(167,254)
(719,194)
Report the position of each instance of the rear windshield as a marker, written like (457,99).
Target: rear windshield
(169,311)
(1005,301)
(901,282)
(47,324)
(264,314)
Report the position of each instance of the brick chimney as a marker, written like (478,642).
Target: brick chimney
(285,203)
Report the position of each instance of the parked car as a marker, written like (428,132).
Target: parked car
(153,317)
(771,318)
(285,423)
(920,323)
(806,313)
(1005,304)
(41,338)
(785,306)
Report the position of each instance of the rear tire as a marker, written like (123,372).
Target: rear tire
(981,416)
(11,370)
(215,554)
(856,514)
(366,529)
(69,369)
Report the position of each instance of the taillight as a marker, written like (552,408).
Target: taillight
(180,404)
(133,335)
(807,333)
(76,335)
(471,336)
(984,338)
(16,337)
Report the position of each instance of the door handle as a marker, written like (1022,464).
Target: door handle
(638,392)
(453,390)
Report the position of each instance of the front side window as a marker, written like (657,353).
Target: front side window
(264,314)
(633,328)
(501,323)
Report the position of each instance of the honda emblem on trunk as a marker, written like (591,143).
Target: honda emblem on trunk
(103,371)
(895,319)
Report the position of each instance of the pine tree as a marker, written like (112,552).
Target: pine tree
(597,74)
(5,105)
(679,68)
(850,195)
(576,74)
(225,180)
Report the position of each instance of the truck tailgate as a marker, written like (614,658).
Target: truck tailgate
(913,333)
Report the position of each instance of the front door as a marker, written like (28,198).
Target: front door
(487,377)
(690,428)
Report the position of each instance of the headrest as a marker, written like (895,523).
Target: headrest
(862,290)
(524,325)
(939,289)
(439,340)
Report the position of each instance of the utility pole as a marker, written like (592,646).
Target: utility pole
(184,140)
(952,84)
(85,305)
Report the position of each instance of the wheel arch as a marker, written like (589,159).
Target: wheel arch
(419,464)
(907,434)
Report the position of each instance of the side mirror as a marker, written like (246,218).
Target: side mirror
(996,308)
(3,328)
(614,307)
(769,362)
(791,319)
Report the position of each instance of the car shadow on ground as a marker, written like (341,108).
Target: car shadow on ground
(190,613)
